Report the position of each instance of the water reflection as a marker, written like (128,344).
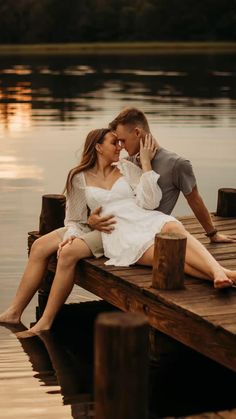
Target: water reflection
(47,106)
(62,363)
(202,88)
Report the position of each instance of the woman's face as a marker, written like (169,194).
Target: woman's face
(110,148)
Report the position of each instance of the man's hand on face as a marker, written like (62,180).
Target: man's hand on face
(103,224)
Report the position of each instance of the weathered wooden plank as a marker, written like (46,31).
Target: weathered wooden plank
(193,316)
(194,228)
(191,219)
(226,414)
(229,264)
(222,248)
(185,326)
(225,320)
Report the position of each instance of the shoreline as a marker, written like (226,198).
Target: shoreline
(119,48)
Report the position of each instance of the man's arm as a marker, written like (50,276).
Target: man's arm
(100,223)
(201,212)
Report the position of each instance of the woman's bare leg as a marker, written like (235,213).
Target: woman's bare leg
(62,284)
(197,258)
(30,282)
(147,259)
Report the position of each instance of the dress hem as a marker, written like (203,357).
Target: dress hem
(142,251)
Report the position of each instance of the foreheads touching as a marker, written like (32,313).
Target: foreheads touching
(130,117)
(130,126)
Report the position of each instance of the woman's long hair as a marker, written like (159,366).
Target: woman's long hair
(89,155)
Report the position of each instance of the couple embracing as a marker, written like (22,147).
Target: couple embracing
(130,200)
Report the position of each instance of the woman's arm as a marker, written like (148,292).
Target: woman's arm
(144,183)
(76,210)
(148,192)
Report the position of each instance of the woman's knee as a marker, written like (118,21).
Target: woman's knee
(173,227)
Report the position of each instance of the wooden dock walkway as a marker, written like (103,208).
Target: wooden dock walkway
(198,316)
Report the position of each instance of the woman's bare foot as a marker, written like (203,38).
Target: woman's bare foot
(231,275)
(33,331)
(10,316)
(221,280)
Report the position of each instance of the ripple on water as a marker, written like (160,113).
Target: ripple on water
(22,395)
(29,381)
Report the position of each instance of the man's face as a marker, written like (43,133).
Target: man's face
(130,138)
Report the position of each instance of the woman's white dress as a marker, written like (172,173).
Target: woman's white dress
(131,200)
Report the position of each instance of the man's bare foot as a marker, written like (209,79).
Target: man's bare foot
(222,281)
(9,316)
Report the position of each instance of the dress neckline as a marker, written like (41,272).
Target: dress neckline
(99,187)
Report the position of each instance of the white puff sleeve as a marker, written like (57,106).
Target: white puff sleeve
(76,209)
(147,191)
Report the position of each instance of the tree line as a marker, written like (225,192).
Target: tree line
(52,21)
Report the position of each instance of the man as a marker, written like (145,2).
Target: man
(176,175)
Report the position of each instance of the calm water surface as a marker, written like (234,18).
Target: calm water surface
(47,106)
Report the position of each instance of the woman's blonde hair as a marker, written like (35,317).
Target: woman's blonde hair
(89,155)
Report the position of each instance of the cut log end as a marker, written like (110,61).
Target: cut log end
(226,204)
(169,259)
(52,213)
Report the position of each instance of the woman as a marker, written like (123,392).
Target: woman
(131,194)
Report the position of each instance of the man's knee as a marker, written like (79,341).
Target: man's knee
(68,255)
(38,249)
(72,253)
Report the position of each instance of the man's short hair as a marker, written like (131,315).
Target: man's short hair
(130,116)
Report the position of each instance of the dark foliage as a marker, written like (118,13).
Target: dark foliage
(34,21)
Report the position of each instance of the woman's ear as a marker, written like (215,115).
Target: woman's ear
(98,148)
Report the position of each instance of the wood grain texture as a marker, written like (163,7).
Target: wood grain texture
(121,366)
(198,316)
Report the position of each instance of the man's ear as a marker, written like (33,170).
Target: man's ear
(138,131)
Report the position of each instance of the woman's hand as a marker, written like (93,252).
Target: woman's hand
(148,150)
(63,243)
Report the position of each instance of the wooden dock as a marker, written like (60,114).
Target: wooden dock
(198,316)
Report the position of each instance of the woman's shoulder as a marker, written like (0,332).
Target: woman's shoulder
(78,179)
(129,166)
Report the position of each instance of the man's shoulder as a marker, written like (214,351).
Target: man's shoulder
(171,158)
(164,154)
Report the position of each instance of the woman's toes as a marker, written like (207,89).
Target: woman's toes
(223,283)
(25,334)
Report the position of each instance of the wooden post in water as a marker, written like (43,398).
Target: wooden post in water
(226,204)
(52,213)
(51,217)
(121,366)
(168,264)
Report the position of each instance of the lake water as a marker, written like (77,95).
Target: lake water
(47,106)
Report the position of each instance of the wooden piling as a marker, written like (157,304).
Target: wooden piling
(168,264)
(226,204)
(51,217)
(52,213)
(121,366)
